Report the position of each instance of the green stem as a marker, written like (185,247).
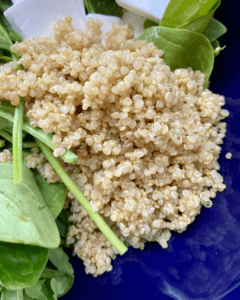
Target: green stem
(17,143)
(102,225)
(7,113)
(7,136)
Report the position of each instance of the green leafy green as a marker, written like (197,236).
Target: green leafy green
(12,295)
(4,123)
(4,5)
(182,48)
(54,194)
(149,23)
(103,7)
(35,290)
(201,23)
(46,292)
(179,12)
(62,284)
(5,41)
(61,261)
(49,273)
(15,36)
(214,30)
(21,265)
(2,143)
(25,218)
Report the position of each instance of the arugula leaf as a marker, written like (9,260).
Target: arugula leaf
(54,194)
(62,284)
(179,12)
(25,218)
(61,261)
(103,7)
(214,30)
(182,48)
(15,36)
(149,23)
(4,123)
(21,265)
(35,290)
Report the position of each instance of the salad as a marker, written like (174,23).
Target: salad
(128,132)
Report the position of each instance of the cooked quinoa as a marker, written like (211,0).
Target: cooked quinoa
(147,138)
(228,155)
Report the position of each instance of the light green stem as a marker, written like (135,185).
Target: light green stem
(17,143)
(7,113)
(7,136)
(102,225)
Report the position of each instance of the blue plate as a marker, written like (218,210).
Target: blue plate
(204,261)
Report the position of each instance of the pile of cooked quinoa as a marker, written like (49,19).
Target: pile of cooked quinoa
(147,139)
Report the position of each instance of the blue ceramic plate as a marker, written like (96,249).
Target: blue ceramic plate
(204,261)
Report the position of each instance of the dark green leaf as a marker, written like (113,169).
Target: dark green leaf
(182,48)
(49,273)
(4,5)
(53,284)
(12,295)
(149,23)
(179,12)
(24,216)
(103,7)
(63,223)
(5,59)
(54,194)
(46,292)
(62,284)
(35,290)
(214,30)
(61,261)
(5,23)
(21,265)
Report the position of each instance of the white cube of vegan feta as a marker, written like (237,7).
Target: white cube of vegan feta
(151,9)
(135,20)
(38,17)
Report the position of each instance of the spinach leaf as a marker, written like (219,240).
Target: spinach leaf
(46,292)
(63,223)
(5,41)
(149,23)
(61,261)
(54,194)
(103,7)
(61,285)
(34,290)
(26,297)
(179,12)
(24,216)
(12,295)
(201,23)
(182,48)
(21,265)
(49,273)
(15,36)
(214,30)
